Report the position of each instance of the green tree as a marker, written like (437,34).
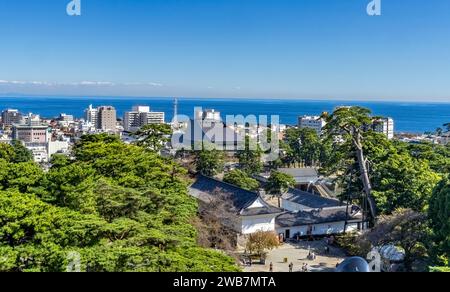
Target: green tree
(437,156)
(439,214)
(351,123)
(278,184)
(402,182)
(305,146)
(250,157)
(24,176)
(209,161)
(121,207)
(241,179)
(21,154)
(59,160)
(6,152)
(153,136)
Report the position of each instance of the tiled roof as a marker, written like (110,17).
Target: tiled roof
(205,187)
(317,216)
(214,132)
(309,200)
(301,175)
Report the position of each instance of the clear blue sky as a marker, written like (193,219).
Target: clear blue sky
(227,48)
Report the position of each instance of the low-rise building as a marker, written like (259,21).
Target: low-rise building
(34,135)
(32,131)
(253,212)
(58,147)
(319,222)
(302,214)
(312,122)
(304,177)
(295,200)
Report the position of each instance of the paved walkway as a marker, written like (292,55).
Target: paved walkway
(297,253)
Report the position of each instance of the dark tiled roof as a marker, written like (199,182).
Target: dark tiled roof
(301,175)
(205,187)
(317,216)
(310,200)
(212,132)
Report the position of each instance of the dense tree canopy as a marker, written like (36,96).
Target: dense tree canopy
(438,156)
(153,136)
(399,179)
(119,207)
(439,213)
(15,152)
(250,157)
(278,184)
(303,145)
(209,161)
(396,178)
(241,179)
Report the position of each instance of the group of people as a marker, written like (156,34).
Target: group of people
(305,267)
(312,256)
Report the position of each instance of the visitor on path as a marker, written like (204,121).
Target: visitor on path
(291,267)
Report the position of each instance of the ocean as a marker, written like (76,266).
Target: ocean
(411,117)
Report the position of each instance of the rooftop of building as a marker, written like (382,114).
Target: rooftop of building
(309,200)
(301,175)
(318,216)
(204,188)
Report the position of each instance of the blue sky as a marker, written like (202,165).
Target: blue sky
(227,48)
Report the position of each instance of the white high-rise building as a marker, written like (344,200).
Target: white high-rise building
(141,116)
(313,122)
(91,115)
(384,126)
(209,115)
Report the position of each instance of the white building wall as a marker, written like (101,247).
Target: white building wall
(57,147)
(301,230)
(319,229)
(257,204)
(252,224)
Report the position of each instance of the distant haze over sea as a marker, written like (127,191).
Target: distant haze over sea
(413,117)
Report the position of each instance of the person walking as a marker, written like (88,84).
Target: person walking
(291,267)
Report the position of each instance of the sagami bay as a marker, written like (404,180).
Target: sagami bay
(409,116)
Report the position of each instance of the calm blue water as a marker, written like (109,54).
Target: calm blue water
(409,117)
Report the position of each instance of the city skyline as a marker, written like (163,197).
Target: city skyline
(227,49)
